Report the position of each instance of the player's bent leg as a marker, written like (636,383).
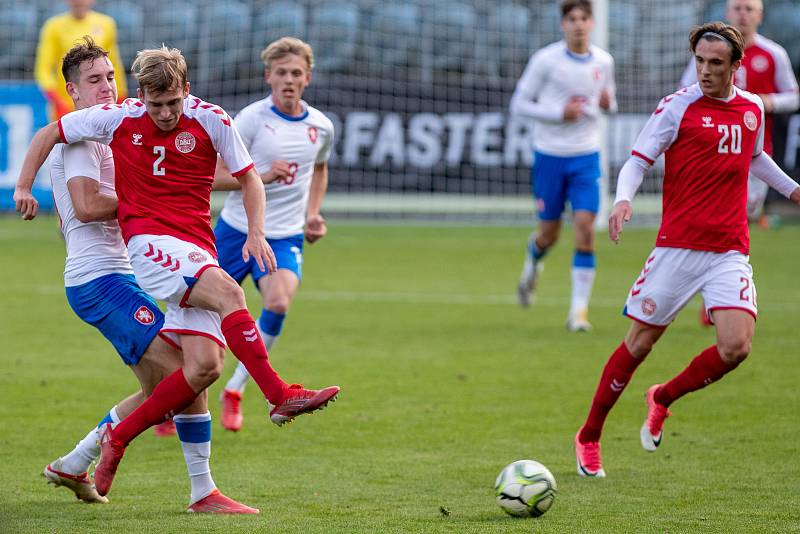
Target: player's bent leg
(533,264)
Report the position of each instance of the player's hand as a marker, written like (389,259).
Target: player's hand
(315,228)
(26,204)
(767,100)
(279,170)
(620,215)
(795,196)
(258,248)
(574,108)
(605,100)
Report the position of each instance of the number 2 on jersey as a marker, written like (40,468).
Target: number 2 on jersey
(161,152)
(731,141)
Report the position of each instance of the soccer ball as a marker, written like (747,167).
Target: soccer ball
(525,488)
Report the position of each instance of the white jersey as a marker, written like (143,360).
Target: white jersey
(94,249)
(301,141)
(552,77)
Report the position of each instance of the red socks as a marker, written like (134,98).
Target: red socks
(245,342)
(706,368)
(615,377)
(172,395)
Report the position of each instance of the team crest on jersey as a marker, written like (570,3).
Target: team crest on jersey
(144,316)
(196,257)
(759,63)
(313,133)
(137,139)
(648,306)
(750,121)
(185,142)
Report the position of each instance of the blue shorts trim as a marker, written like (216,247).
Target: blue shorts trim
(556,180)
(288,253)
(121,310)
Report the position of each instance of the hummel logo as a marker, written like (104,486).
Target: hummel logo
(707,122)
(250,335)
(137,139)
(617,386)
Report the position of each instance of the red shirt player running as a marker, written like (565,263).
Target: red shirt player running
(165,148)
(711,135)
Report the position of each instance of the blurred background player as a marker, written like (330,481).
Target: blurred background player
(565,87)
(102,291)
(290,142)
(58,35)
(711,135)
(165,151)
(766,71)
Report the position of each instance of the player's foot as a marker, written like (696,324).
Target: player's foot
(652,429)
(526,288)
(299,400)
(217,503)
(232,416)
(111,452)
(703,318)
(588,458)
(165,429)
(578,322)
(81,485)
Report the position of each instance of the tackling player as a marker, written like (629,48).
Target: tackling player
(290,142)
(711,134)
(102,291)
(767,71)
(565,87)
(165,151)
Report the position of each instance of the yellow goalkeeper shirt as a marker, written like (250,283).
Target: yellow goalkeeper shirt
(58,35)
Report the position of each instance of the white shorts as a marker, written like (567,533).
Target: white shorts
(167,268)
(672,276)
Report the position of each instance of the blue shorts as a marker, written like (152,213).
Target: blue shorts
(288,253)
(556,179)
(124,314)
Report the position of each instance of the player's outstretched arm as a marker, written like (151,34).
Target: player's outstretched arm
(254,200)
(765,168)
(41,145)
(315,222)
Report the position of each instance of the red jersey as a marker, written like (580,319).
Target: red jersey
(163,179)
(707,145)
(766,70)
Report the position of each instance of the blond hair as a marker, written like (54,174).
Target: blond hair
(287,45)
(160,69)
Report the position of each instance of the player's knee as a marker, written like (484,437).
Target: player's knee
(231,294)
(207,371)
(734,351)
(279,305)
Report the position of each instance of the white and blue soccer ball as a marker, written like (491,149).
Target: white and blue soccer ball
(525,489)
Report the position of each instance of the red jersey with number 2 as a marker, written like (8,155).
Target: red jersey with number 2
(163,179)
(708,144)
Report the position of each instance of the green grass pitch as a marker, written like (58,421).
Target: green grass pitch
(444,381)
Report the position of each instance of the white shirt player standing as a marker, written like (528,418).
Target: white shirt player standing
(565,88)
(766,71)
(290,143)
(711,135)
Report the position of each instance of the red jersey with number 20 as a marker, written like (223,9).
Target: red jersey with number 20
(163,179)
(707,145)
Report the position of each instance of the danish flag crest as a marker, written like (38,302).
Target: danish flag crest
(313,133)
(144,316)
(750,120)
(196,257)
(648,306)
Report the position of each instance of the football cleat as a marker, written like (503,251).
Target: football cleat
(652,429)
(588,458)
(165,429)
(578,322)
(111,452)
(232,417)
(217,503)
(526,288)
(299,400)
(80,484)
